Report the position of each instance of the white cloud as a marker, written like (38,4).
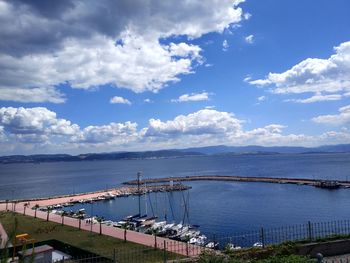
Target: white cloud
(247,16)
(47,94)
(34,124)
(111,134)
(225,45)
(210,107)
(249,39)
(326,78)
(147,101)
(318,98)
(203,122)
(247,79)
(192,97)
(262,98)
(39,130)
(119,100)
(87,44)
(338,119)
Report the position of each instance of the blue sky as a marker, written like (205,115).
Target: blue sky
(83,76)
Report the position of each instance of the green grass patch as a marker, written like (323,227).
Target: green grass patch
(42,230)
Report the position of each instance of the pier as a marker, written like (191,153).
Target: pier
(328,184)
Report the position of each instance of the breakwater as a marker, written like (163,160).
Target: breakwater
(278,180)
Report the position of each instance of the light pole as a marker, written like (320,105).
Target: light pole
(138,190)
(91,216)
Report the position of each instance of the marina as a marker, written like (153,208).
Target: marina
(142,222)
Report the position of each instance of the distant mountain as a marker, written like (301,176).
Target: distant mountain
(95,156)
(174,153)
(220,149)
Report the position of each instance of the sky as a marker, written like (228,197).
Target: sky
(129,75)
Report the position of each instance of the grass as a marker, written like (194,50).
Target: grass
(211,258)
(42,230)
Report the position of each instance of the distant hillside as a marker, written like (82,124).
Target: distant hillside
(264,150)
(94,156)
(210,150)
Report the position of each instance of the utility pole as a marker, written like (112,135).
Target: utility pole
(138,190)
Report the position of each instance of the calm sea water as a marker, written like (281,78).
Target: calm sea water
(218,207)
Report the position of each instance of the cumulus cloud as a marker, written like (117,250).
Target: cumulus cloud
(39,128)
(34,124)
(328,79)
(203,122)
(113,133)
(119,100)
(249,39)
(338,119)
(192,97)
(87,44)
(29,130)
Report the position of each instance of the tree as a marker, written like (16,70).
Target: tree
(62,215)
(49,209)
(36,207)
(124,226)
(100,220)
(154,232)
(25,205)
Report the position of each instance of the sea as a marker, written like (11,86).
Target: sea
(219,208)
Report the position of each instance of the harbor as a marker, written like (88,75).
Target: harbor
(142,229)
(145,222)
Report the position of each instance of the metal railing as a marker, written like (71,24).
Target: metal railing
(309,231)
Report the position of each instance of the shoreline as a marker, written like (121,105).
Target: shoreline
(69,198)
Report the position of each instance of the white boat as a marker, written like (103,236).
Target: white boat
(158,225)
(258,244)
(232,247)
(199,241)
(212,245)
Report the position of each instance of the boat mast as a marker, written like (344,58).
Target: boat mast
(138,190)
(146,212)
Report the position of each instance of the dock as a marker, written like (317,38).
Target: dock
(328,184)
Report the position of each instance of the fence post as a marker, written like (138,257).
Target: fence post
(187,249)
(62,220)
(114,256)
(164,252)
(262,235)
(79,223)
(100,227)
(309,227)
